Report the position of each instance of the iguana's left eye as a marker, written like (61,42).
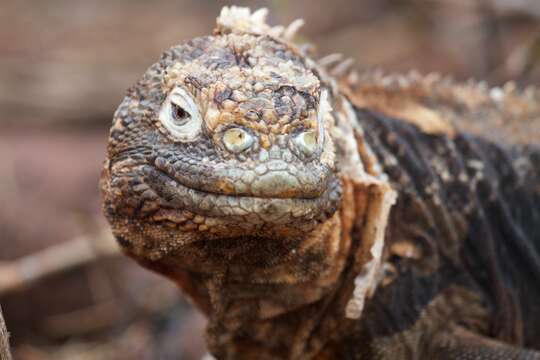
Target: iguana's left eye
(180,115)
(306,142)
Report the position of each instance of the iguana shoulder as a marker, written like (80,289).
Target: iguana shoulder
(465,162)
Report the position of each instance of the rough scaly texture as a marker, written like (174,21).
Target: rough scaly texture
(314,212)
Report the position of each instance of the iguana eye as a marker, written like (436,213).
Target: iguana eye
(180,115)
(237,140)
(306,142)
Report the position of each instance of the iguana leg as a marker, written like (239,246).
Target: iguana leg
(464,345)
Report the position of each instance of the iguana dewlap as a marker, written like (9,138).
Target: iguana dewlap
(317,213)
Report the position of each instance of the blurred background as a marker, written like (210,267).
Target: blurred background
(64,67)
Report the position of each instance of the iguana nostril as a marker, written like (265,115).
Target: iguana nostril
(237,140)
(306,142)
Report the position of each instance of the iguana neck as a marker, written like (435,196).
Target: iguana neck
(294,320)
(283,320)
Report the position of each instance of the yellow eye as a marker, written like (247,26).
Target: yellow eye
(306,142)
(237,140)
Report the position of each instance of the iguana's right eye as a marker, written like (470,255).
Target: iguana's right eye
(180,115)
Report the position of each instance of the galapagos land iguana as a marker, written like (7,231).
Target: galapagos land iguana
(313,212)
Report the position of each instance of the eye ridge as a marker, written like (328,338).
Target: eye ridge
(179,114)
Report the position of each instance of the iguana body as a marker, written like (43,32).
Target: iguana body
(311,216)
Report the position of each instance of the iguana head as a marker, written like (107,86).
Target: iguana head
(226,139)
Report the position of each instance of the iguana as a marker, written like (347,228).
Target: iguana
(314,212)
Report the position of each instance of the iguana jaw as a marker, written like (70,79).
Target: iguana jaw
(235,209)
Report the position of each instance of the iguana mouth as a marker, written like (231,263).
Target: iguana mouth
(274,178)
(176,195)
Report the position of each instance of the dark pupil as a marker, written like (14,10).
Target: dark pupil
(180,115)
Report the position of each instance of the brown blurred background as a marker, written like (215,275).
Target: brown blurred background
(64,67)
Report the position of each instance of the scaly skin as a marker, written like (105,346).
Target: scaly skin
(242,170)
